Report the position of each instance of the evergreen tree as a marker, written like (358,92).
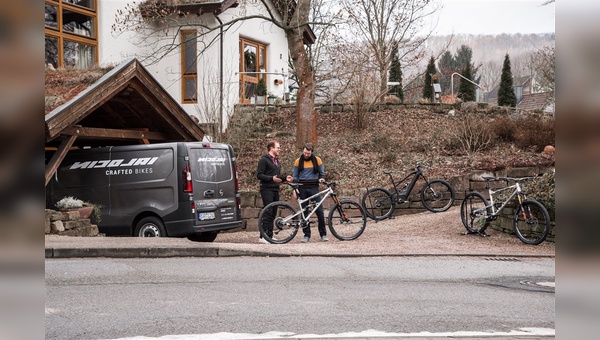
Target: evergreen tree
(464,57)
(428,84)
(506,94)
(396,75)
(467,89)
(446,67)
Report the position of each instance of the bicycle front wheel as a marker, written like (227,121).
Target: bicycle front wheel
(278,222)
(437,196)
(474,212)
(347,220)
(378,203)
(532,222)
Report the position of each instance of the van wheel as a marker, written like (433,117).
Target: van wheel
(204,237)
(150,227)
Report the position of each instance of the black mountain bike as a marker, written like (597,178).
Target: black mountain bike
(436,195)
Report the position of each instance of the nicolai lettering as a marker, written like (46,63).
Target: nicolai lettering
(212,159)
(114,163)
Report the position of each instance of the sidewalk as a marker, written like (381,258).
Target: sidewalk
(423,234)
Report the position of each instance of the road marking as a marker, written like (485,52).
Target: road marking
(371,333)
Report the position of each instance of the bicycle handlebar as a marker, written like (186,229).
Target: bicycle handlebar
(417,167)
(295,185)
(513,179)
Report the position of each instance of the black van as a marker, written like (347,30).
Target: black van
(171,189)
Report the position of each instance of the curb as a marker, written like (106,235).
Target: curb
(162,252)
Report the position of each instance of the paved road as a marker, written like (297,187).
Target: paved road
(324,297)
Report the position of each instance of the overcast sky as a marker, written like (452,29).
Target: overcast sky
(495,17)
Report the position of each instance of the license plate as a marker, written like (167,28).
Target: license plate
(206,216)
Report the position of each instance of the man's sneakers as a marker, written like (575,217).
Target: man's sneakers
(306,239)
(262,240)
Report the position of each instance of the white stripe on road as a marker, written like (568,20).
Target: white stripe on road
(371,333)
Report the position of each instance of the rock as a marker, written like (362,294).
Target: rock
(57,226)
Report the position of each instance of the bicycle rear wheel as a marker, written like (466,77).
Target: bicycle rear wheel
(277,223)
(437,196)
(378,203)
(532,222)
(474,212)
(347,220)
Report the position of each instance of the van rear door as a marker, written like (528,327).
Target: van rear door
(214,186)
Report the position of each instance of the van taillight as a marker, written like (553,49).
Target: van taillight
(237,187)
(187,179)
(193,208)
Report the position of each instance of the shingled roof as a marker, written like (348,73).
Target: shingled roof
(535,101)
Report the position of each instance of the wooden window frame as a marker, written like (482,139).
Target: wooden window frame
(185,74)
(251,78)
(62,35)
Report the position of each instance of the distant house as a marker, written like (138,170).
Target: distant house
(521,86)
(542,102)
(207,80)
(527,97)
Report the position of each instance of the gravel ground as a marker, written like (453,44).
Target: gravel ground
(415,234)
(422,233)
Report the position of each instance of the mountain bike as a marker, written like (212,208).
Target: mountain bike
(436,195)
(530,220)
(346,219)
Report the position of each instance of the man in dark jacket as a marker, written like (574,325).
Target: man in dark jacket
(309,171)
(268,172)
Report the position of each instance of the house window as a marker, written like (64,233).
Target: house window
(189,66)
(71,33)
(253,58)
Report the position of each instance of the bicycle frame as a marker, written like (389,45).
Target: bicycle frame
(408,186)
(517,191)
(326,193)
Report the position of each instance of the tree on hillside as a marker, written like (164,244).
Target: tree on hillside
(157,23)
(543,61)
(464,57)
(383,23)
(326,53)
(430,73)
(466,90)
(396,75)
(506,95)
(446,66)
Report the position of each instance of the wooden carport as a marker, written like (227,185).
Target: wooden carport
(125,106)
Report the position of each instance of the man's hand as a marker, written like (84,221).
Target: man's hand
(289,178)
(321,180)
(276,179)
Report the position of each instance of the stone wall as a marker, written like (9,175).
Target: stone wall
(252,203)
(69,223)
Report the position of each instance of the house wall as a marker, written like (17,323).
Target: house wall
(114,49)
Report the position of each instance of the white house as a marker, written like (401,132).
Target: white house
(207,70)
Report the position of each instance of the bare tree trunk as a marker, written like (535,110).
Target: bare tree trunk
(305,104)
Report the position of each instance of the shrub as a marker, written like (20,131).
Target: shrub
(534,132)
(470,134)
(542,189)
(505,129)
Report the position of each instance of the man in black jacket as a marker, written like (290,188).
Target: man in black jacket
(268,172)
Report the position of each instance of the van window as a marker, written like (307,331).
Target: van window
(210,165)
